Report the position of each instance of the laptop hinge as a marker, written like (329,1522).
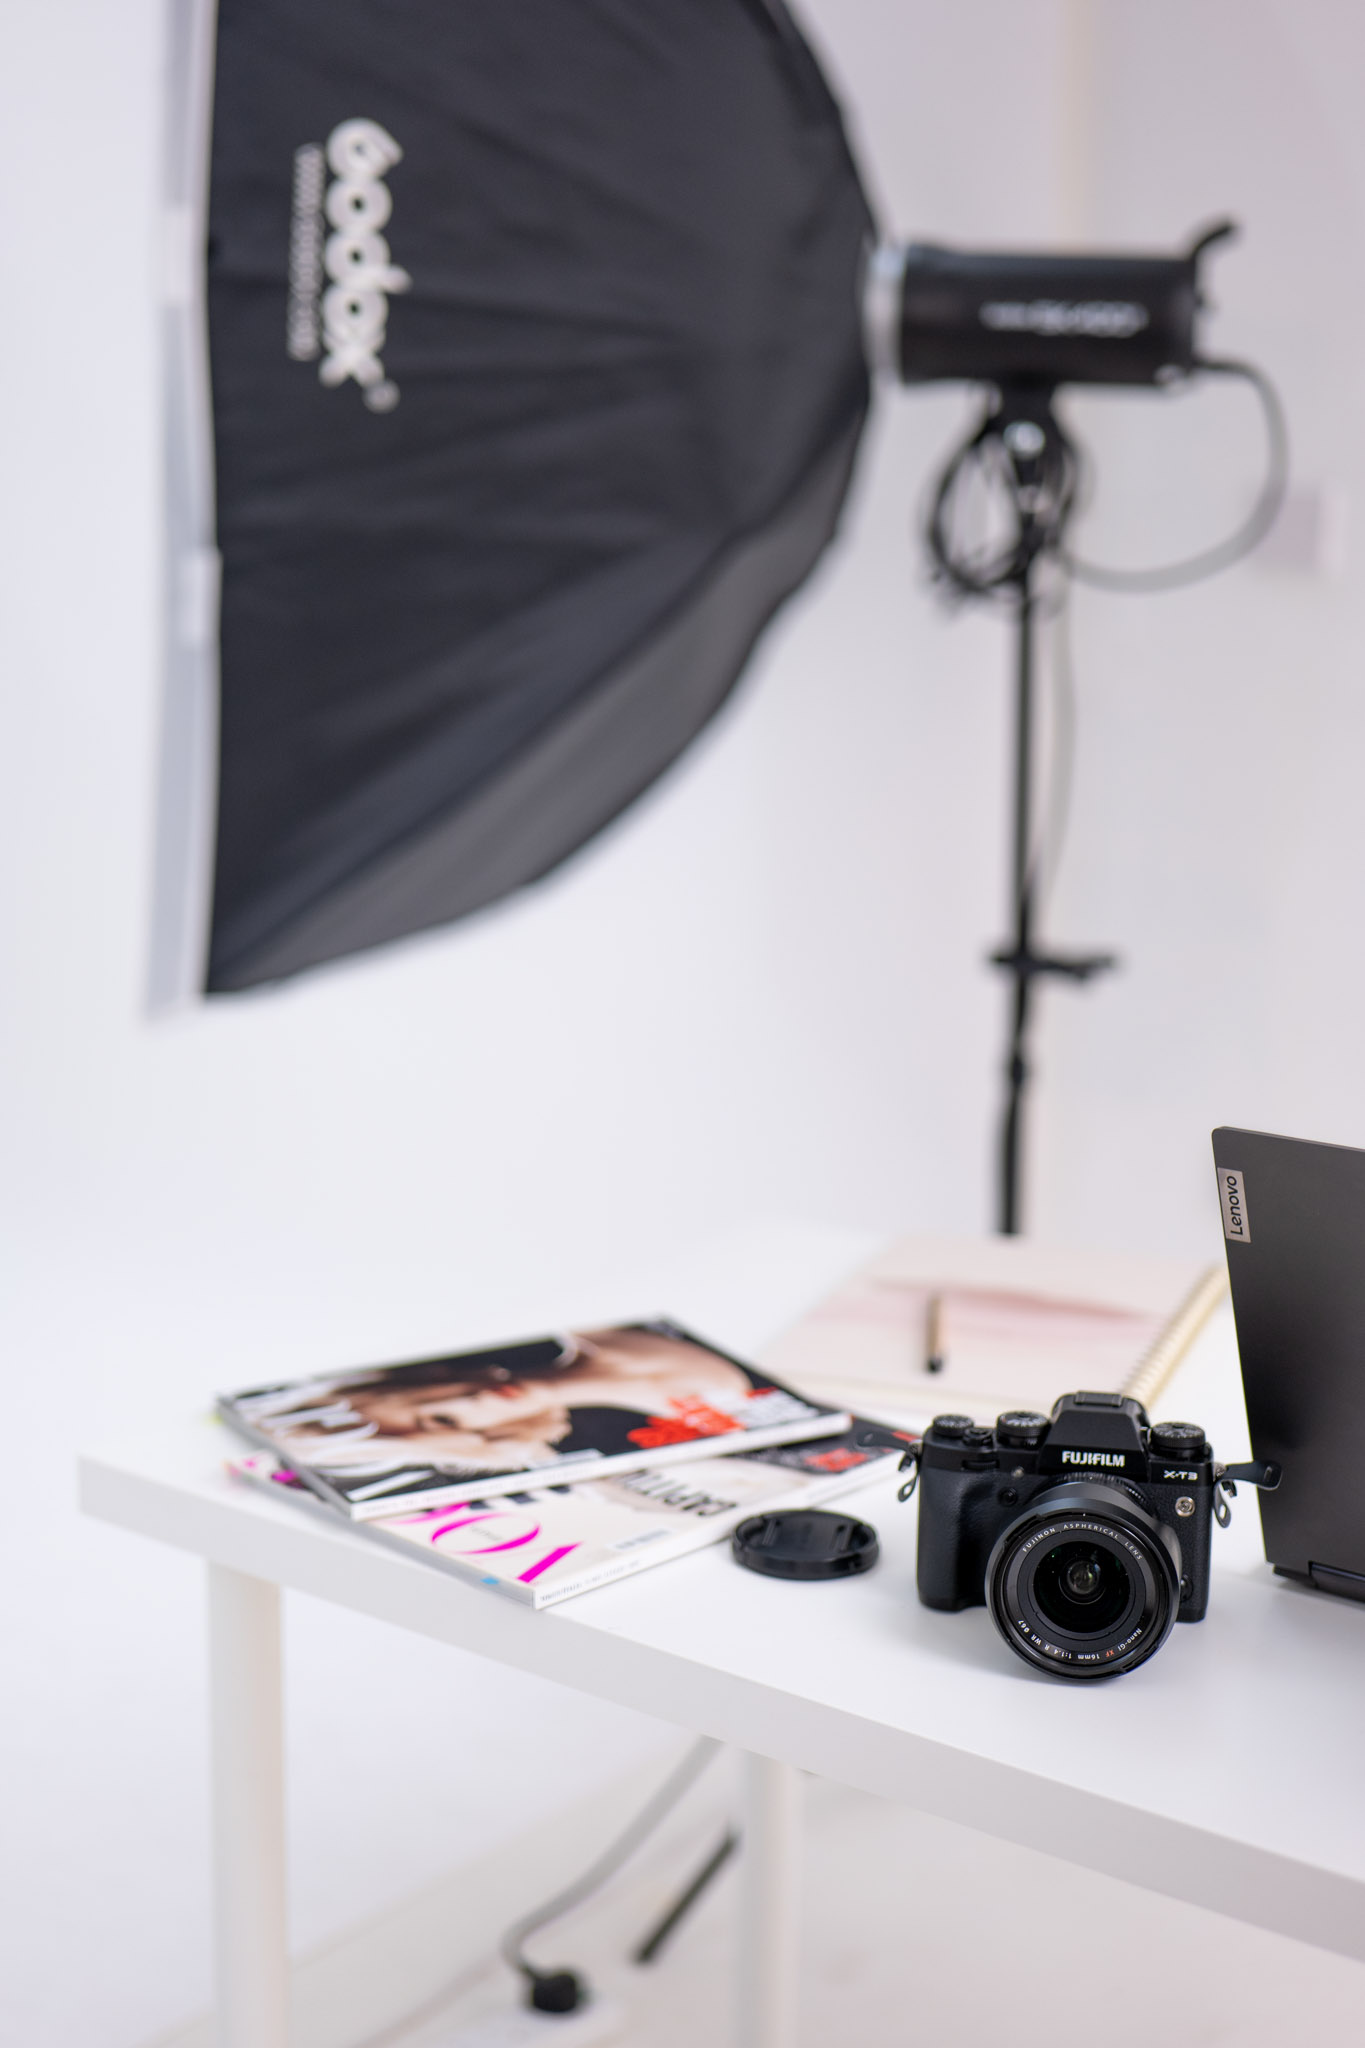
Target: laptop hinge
(1326,1576)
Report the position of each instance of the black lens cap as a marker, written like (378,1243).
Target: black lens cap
(805,1543)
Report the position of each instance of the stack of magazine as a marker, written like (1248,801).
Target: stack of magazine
(545,1468)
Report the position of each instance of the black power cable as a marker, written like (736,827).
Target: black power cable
(560,1990)
(1039,511)
(563,1990)
(1254,528)
(1028,465)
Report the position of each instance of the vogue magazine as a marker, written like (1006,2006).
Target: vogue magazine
(544,1546)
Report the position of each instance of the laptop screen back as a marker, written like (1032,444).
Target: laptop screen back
(1294,1222)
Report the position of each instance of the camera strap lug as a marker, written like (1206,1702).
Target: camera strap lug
(1260,1472)
(879,1438)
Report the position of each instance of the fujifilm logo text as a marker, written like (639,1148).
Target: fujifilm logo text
(1233,1196)
(1118,1459)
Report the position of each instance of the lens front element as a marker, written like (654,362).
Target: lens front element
(1081,1588)
(1085,1583)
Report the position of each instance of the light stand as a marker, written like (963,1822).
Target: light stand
(1036,464)
(1023,325)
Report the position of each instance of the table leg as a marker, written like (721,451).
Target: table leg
(770,1877)
(246,1706)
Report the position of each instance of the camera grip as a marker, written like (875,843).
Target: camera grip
(956,1530)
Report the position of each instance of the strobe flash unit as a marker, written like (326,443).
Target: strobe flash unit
(1014,318)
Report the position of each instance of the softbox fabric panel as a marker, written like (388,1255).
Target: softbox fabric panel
(536,379)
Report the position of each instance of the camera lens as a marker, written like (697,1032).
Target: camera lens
(1085,1582)
(1082,1588)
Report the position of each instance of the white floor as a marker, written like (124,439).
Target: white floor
(918,1930)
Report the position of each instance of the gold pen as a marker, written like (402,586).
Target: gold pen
(934,1360)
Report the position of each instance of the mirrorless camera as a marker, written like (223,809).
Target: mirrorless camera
(1085,1533)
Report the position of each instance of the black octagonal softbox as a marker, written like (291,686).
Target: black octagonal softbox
(516,375)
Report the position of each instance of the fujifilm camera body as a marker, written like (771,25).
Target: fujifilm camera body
(1086,1533)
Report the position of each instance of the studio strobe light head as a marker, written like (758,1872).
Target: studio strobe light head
(1012,317)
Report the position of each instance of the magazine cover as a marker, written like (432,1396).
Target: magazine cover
(545,1546)
(477,1423)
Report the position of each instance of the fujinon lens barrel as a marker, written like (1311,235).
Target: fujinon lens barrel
(1085,1583)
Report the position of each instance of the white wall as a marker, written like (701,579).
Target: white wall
(1218,833)
(761,991)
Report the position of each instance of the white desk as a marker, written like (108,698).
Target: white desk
(1227,1771)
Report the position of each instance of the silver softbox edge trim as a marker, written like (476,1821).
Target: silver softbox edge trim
(186,796)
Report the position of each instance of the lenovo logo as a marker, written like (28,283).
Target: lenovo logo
(1233,1196)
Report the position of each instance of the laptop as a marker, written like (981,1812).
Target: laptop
(1294,1221)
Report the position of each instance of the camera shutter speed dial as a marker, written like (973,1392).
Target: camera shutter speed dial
(1020,1429)
(1180,1440)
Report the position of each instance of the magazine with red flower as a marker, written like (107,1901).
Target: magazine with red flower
(477,1424)
(544,1546)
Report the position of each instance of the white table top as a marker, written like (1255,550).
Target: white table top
(1227,1771)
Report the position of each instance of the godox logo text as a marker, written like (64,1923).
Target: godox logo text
(1095,319)
(354,258)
